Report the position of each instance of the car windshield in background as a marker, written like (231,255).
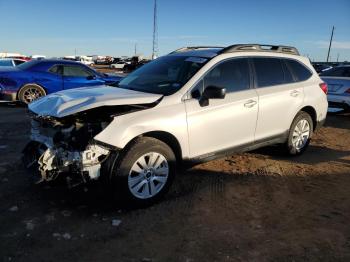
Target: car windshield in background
(165,75)
(341,71)
(28,65)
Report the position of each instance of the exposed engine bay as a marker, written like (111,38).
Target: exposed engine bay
(66,146)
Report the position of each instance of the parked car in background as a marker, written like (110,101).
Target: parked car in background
(38,78)
(12,62)
(338,81)
(38,57)
(86,60)
(193,105)
(134,64)
(321,67)
(26,58)
(119,65)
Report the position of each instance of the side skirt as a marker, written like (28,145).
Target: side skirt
(279,139)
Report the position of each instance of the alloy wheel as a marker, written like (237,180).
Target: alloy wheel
(301,134)
(148,175)
(31,93)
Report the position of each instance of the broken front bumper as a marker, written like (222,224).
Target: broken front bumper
(53,161)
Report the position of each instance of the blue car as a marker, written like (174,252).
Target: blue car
(38,78)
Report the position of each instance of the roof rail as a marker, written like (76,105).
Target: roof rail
(187,48)
(260,48)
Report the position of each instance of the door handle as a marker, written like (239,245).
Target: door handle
(250,103)
(295,93)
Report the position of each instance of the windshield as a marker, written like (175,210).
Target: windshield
(28,64)
(165,75)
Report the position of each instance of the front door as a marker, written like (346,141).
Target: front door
(224,123)
(78,76)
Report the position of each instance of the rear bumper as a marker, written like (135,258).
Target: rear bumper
(339,101)
(342,105)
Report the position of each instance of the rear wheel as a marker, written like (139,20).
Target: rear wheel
(145,172)
(300,134)
(30,92)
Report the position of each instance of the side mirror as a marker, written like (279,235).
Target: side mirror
(212,92)
(91,77)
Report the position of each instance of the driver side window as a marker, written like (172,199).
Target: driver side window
(231,74)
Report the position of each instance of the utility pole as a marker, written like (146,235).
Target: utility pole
(338,58)
(330,44)
(155,32)
(135,48)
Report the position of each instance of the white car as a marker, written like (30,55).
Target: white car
(119,65)
(193,105)
(338,81)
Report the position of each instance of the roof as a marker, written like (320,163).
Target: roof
(57,61)
(211,51)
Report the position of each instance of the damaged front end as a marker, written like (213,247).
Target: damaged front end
(65,147)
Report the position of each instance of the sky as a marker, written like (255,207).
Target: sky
(113,27)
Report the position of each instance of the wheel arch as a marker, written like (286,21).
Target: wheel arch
(163,136)
(312,112)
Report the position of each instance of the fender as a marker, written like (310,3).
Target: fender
(126,127)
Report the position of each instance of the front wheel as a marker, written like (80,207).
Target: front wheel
(30,92)
(300,134)
(145,171)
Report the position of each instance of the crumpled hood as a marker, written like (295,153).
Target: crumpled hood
(72,101)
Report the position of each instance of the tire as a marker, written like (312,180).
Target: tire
(30,92)
(300,134)
(133,178)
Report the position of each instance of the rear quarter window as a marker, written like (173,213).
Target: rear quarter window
(300,72)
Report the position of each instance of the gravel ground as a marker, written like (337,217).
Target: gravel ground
(257,206)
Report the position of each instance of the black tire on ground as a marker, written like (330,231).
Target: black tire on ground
(290,147)
(123,163)
(30,92)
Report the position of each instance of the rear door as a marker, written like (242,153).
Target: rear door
(75,76)
(279,97)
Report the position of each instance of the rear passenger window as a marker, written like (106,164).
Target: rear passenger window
(231,74)
(75,71)
(269,71)
(300,72)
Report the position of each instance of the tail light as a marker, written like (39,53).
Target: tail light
(348,91)
(324,87)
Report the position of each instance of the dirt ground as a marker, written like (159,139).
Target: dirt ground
(257,206)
